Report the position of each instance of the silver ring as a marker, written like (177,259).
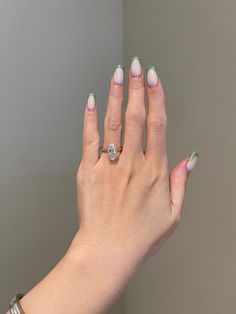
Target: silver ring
(112,151)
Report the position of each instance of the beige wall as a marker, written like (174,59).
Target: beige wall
(52,53)
(193,45)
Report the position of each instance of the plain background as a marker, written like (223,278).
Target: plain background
(193,46)
(52,54)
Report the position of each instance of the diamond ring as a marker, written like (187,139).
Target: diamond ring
(112,150)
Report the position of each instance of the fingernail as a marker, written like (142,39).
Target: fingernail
(91,101)
(192,161)
(136,67)
(152,78)
(118,75)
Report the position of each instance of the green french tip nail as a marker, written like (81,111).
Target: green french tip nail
(136,58)
(193,155)
(119,66)
(92,94)
(153,67)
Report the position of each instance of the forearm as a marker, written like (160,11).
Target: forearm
(87,280)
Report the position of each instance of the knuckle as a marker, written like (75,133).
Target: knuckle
(136,83)
(156,94)
(92,139)
(86,177)
(153,178)
(89,118)
(126,165)
(157,123)
(126,175)
(80,175)
(116,93)
(113,124)
(80,179)
(137,118)
(153,174)
(91,177)
(156,173)
(153,92)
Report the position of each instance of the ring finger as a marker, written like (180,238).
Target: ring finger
(113,116)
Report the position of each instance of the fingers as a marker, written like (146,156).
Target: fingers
(91,138)
(178,181)
(156,119)
(135,116)
(113,116)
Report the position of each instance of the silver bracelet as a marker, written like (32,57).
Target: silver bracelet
(14,305)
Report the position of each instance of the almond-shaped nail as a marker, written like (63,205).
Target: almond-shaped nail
(118,75)
(91,102)
(192,161)
(152,78)
(136,67)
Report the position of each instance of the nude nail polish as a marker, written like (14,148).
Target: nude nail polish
(118,75)
(136,67)
(192,161)
(91,102)
(152,78)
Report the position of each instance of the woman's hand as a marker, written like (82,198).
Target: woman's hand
(134,203)
(127,207)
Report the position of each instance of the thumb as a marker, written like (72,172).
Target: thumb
(178,180)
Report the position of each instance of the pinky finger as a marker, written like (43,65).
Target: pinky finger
(91,138)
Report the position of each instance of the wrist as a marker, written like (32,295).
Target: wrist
(86,272)
(108,262)
(92,269)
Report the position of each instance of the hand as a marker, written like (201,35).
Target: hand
(127,207)
(133,203)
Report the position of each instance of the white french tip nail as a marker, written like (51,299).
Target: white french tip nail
(135,67)
(118,76)
(91,102)
(152,78)
(192,161)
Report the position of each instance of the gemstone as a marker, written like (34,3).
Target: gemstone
(112,151)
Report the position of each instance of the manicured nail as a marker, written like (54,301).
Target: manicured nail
(118,75)
(192,161)
(91,102)
(136,67)
(152,78)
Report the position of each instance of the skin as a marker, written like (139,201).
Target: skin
(127,208)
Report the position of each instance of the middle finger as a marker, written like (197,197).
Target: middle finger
(135,115)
